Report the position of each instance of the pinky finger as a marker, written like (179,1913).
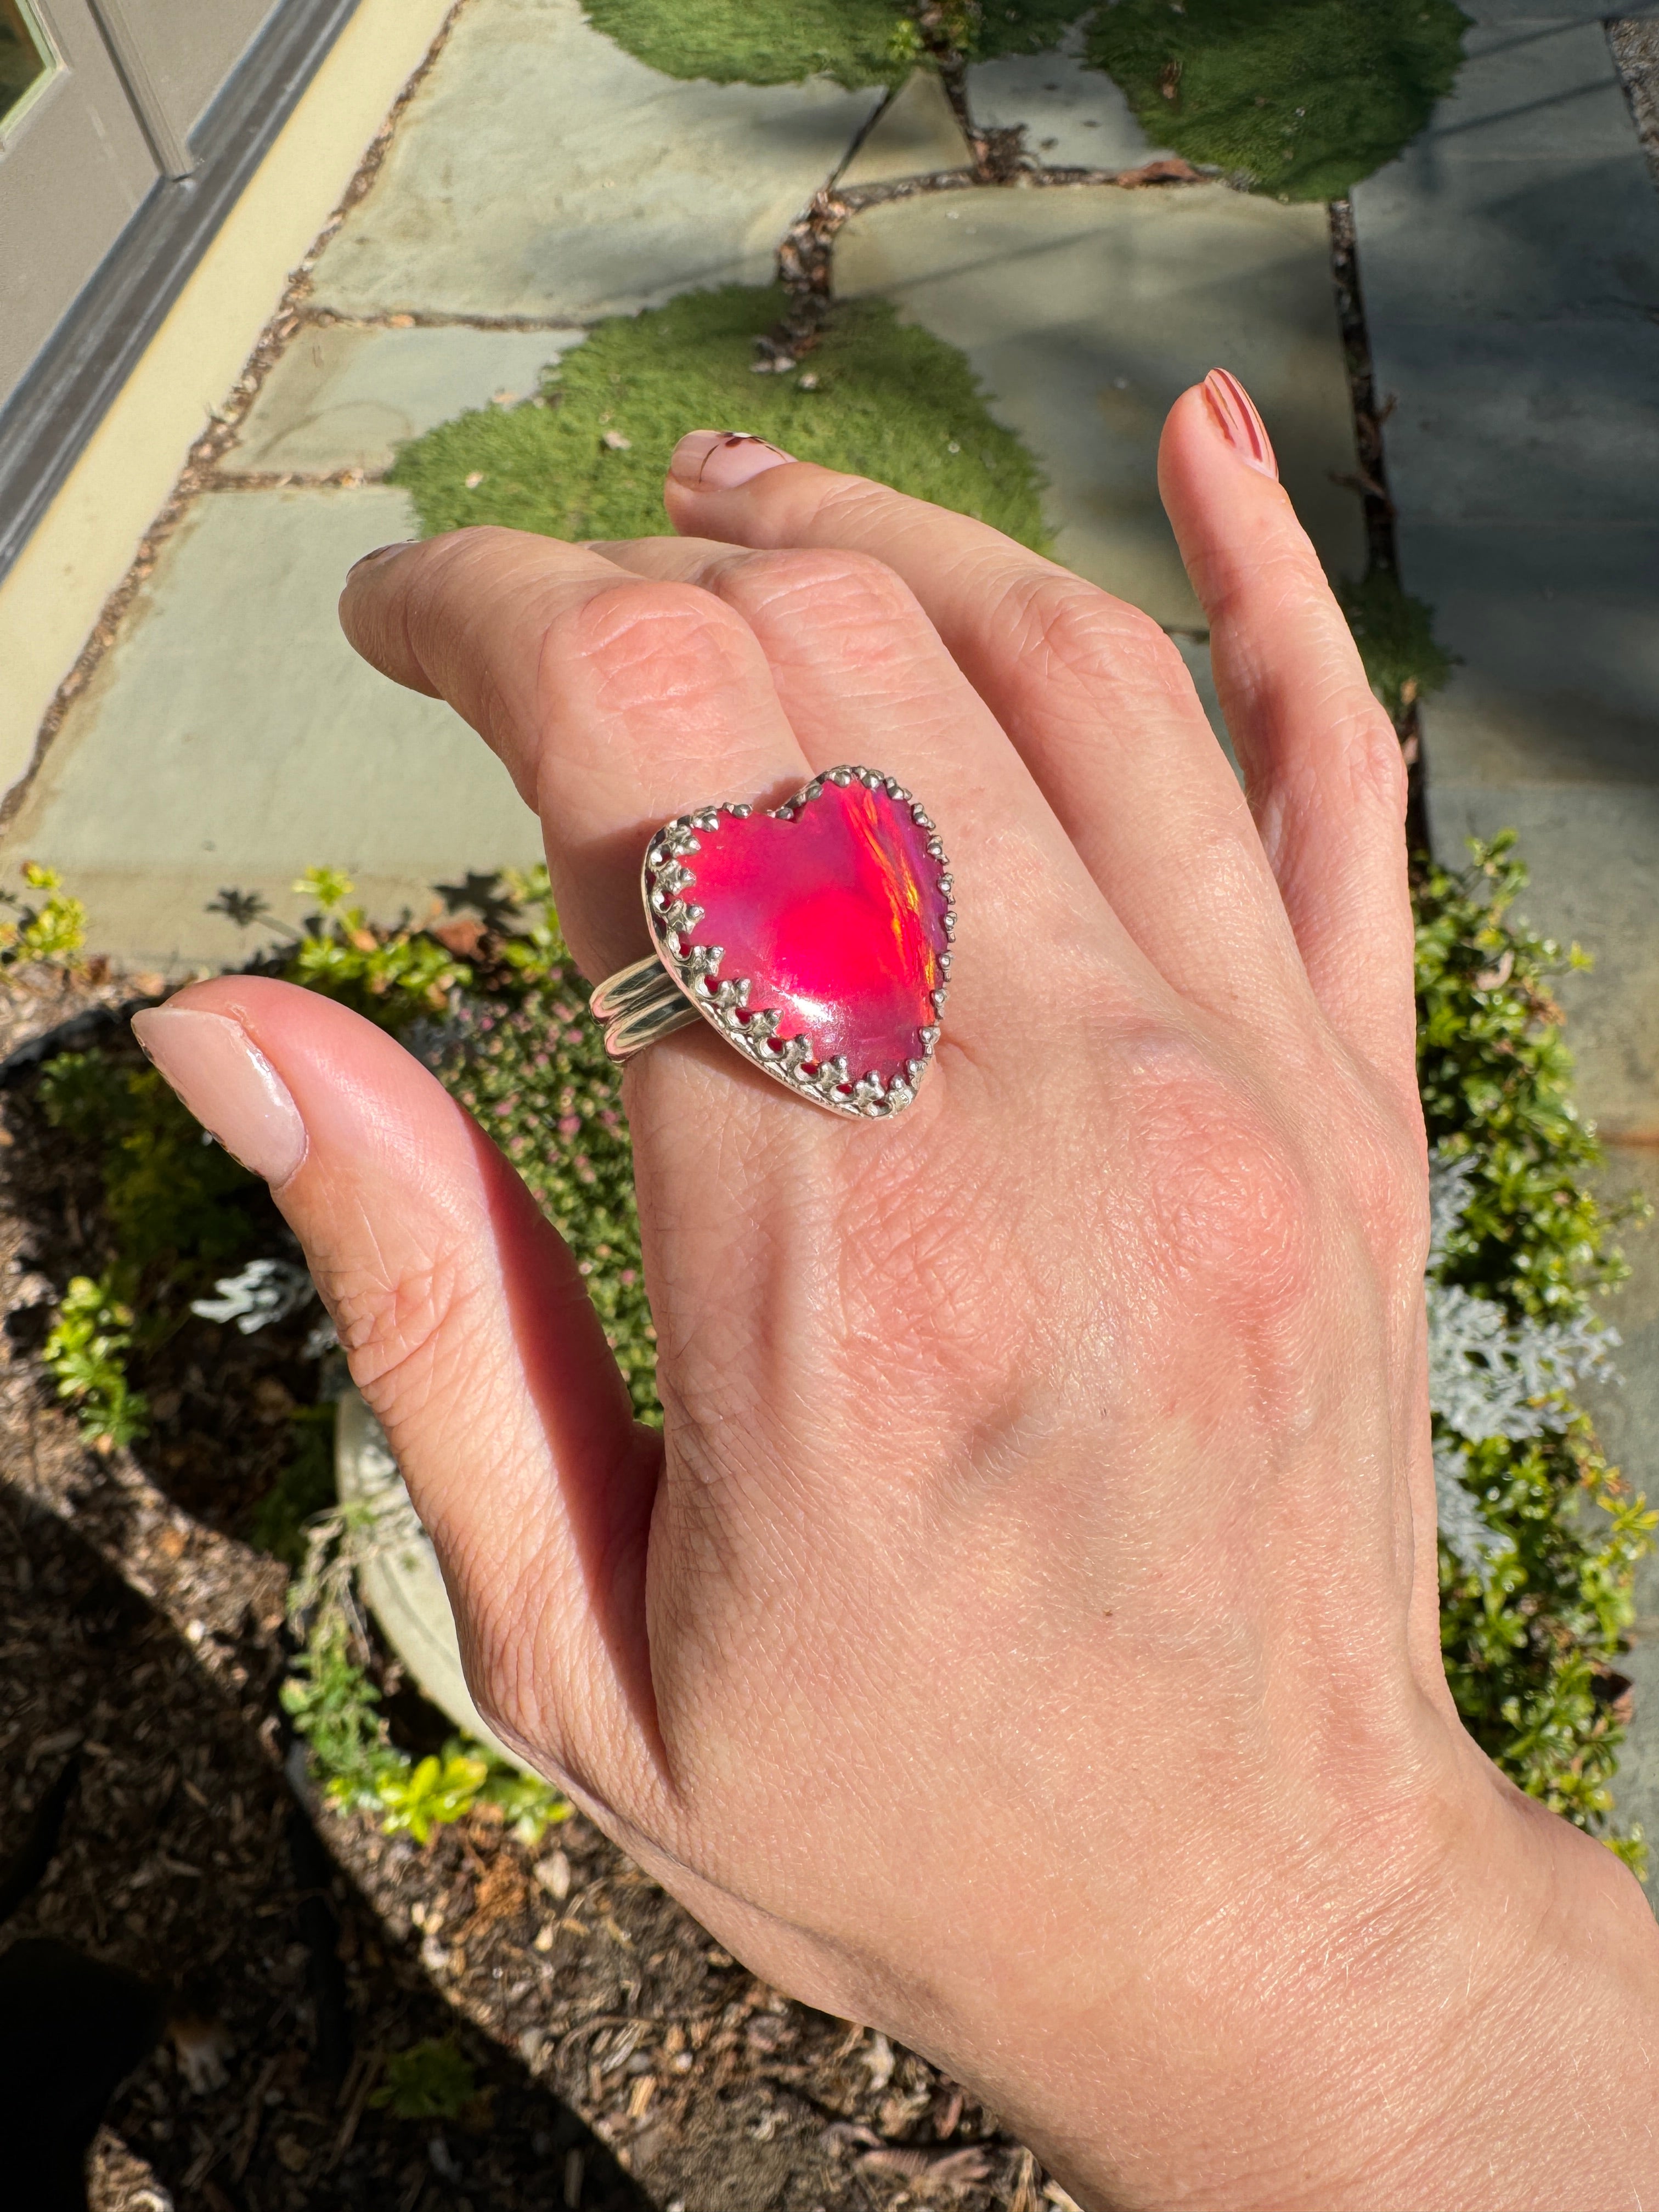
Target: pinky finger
(1322,766)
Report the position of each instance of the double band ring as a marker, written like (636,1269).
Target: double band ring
(815,937)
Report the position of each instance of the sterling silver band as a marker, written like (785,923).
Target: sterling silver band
(639,1005)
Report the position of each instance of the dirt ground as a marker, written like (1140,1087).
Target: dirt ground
(157,1819)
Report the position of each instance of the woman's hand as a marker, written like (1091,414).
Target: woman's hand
(1062,1443)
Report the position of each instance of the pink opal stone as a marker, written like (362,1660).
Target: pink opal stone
(836,919)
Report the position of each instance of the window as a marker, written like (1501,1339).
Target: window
(26,60)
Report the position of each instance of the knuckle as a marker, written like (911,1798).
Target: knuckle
(1376,764)
(1072,630)
(649,639)
(401,1332)
(842,586)
(1234,1213)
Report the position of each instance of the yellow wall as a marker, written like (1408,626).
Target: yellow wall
(85,542)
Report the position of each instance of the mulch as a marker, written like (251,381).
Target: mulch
(158,1820)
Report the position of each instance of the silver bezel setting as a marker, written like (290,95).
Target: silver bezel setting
(665,881)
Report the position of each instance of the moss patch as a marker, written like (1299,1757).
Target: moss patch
(1304,97)
(1395,633)
(887,400)
(856,42)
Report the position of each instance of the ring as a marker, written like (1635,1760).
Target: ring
(818,942)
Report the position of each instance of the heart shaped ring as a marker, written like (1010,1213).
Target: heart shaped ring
(814,936)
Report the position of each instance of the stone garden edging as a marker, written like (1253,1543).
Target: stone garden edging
(400,1578)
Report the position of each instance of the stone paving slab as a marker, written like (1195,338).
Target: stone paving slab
(1529,242)
(1087,309)
(917,133)
(345,396)
(1530,91)
(1554,425)
(1560,647)
(232,737)
(1529,15)
(1523,457)
(541,172)
(1074,117)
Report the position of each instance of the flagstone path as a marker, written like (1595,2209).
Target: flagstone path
(541,179)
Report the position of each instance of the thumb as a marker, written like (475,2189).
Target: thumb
(470,1333)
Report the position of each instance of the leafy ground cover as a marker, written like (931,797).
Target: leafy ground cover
(587,460)
(1539,1535)
(1298,97)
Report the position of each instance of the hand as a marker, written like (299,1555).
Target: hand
(1062,1445)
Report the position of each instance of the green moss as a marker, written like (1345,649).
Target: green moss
(1304,97)
(1395,636)
(888,400)
(856,42)
(1021,27)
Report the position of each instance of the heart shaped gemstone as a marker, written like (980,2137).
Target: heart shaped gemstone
(837,914)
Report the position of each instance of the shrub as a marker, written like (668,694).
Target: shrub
(1535,1591)
(1298,97)
(887,400)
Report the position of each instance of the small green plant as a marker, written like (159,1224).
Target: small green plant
(1298,97)
(429,1794)
(381,973)
(84,1355)
(430,2081)
(335,1706)
(52,928)
(1395,633)
(883,399)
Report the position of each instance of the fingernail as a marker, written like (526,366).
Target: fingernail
(399,546)
(720,461)
(1233,412)
(230,1086)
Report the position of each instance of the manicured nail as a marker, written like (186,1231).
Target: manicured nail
(720,461)
(399,545)
(1233,412)
(230,1086)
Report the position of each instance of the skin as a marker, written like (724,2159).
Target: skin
(1064,1441)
